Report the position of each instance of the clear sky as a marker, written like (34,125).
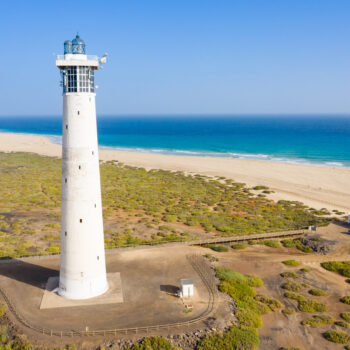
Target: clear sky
(182,56)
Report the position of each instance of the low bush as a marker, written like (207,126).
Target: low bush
(288,311)
(336,336)
(289,274)
(291,262)
(3,338)
(317,292)
(345,316)
(154,343)
(318,321)
(2,309)
(295,243)
(260,187)
(341,267)
(235,338)
(310,305)
(292,286)
(272,303)
(238,246)
(343,324)
(345,300)
(305,269)
(272,243)
(248,311)
(218,248)
(294,296)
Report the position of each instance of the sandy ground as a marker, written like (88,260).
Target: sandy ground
(279,330)
(316,186)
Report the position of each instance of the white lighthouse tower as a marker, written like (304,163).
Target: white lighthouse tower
(83,266)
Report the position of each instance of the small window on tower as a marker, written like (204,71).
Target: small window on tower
(66,126)
(93,153)
(79,167)
(95,205)
(98,258)
(65,180)
(65,233)
(81,220)
(78,112)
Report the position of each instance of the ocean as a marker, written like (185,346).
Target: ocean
(299,139)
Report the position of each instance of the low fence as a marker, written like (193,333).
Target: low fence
(200,265)
(251,237)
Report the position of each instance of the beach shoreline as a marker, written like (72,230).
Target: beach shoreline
(316,186)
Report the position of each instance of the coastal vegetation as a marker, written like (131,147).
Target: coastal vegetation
(154,343)
(345,300)
(250,307)
(289,274)
(341,267)
(318,321)
(334,336)
(139,206)
(291,262)
(296,243)
(317,292)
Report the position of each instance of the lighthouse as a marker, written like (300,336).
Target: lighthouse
(83,266)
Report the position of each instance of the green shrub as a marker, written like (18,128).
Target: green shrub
(343,324)
(272,303)
(218,248)
(235,338)
(310,305)
(238,246)
(345,316)
(153,343)
(345,300)
(289,274)
(294,296)
(272,243)
(317,292)
(295,243)
(336,336)
(291,262)
(3,338)
(305,269)
(292,286)
(345,272)
(2,309)
(318,321)
(341,267)
(288,311)
(260,187)
(248,312)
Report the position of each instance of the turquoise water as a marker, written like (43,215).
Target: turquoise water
(297,139)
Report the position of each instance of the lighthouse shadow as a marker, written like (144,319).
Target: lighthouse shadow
(26,272)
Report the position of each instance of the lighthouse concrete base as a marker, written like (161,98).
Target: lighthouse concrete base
(52,300)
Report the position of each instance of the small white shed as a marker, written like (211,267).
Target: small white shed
(187,289)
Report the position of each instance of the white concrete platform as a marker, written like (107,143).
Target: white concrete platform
(113,295)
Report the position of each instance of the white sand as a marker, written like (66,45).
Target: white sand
(316,186)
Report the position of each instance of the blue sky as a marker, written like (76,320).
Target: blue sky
(183,56)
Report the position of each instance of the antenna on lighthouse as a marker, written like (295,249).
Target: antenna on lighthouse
(103,59)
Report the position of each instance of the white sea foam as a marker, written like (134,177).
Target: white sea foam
(57,139)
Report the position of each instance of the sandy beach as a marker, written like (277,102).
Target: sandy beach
(316,186)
